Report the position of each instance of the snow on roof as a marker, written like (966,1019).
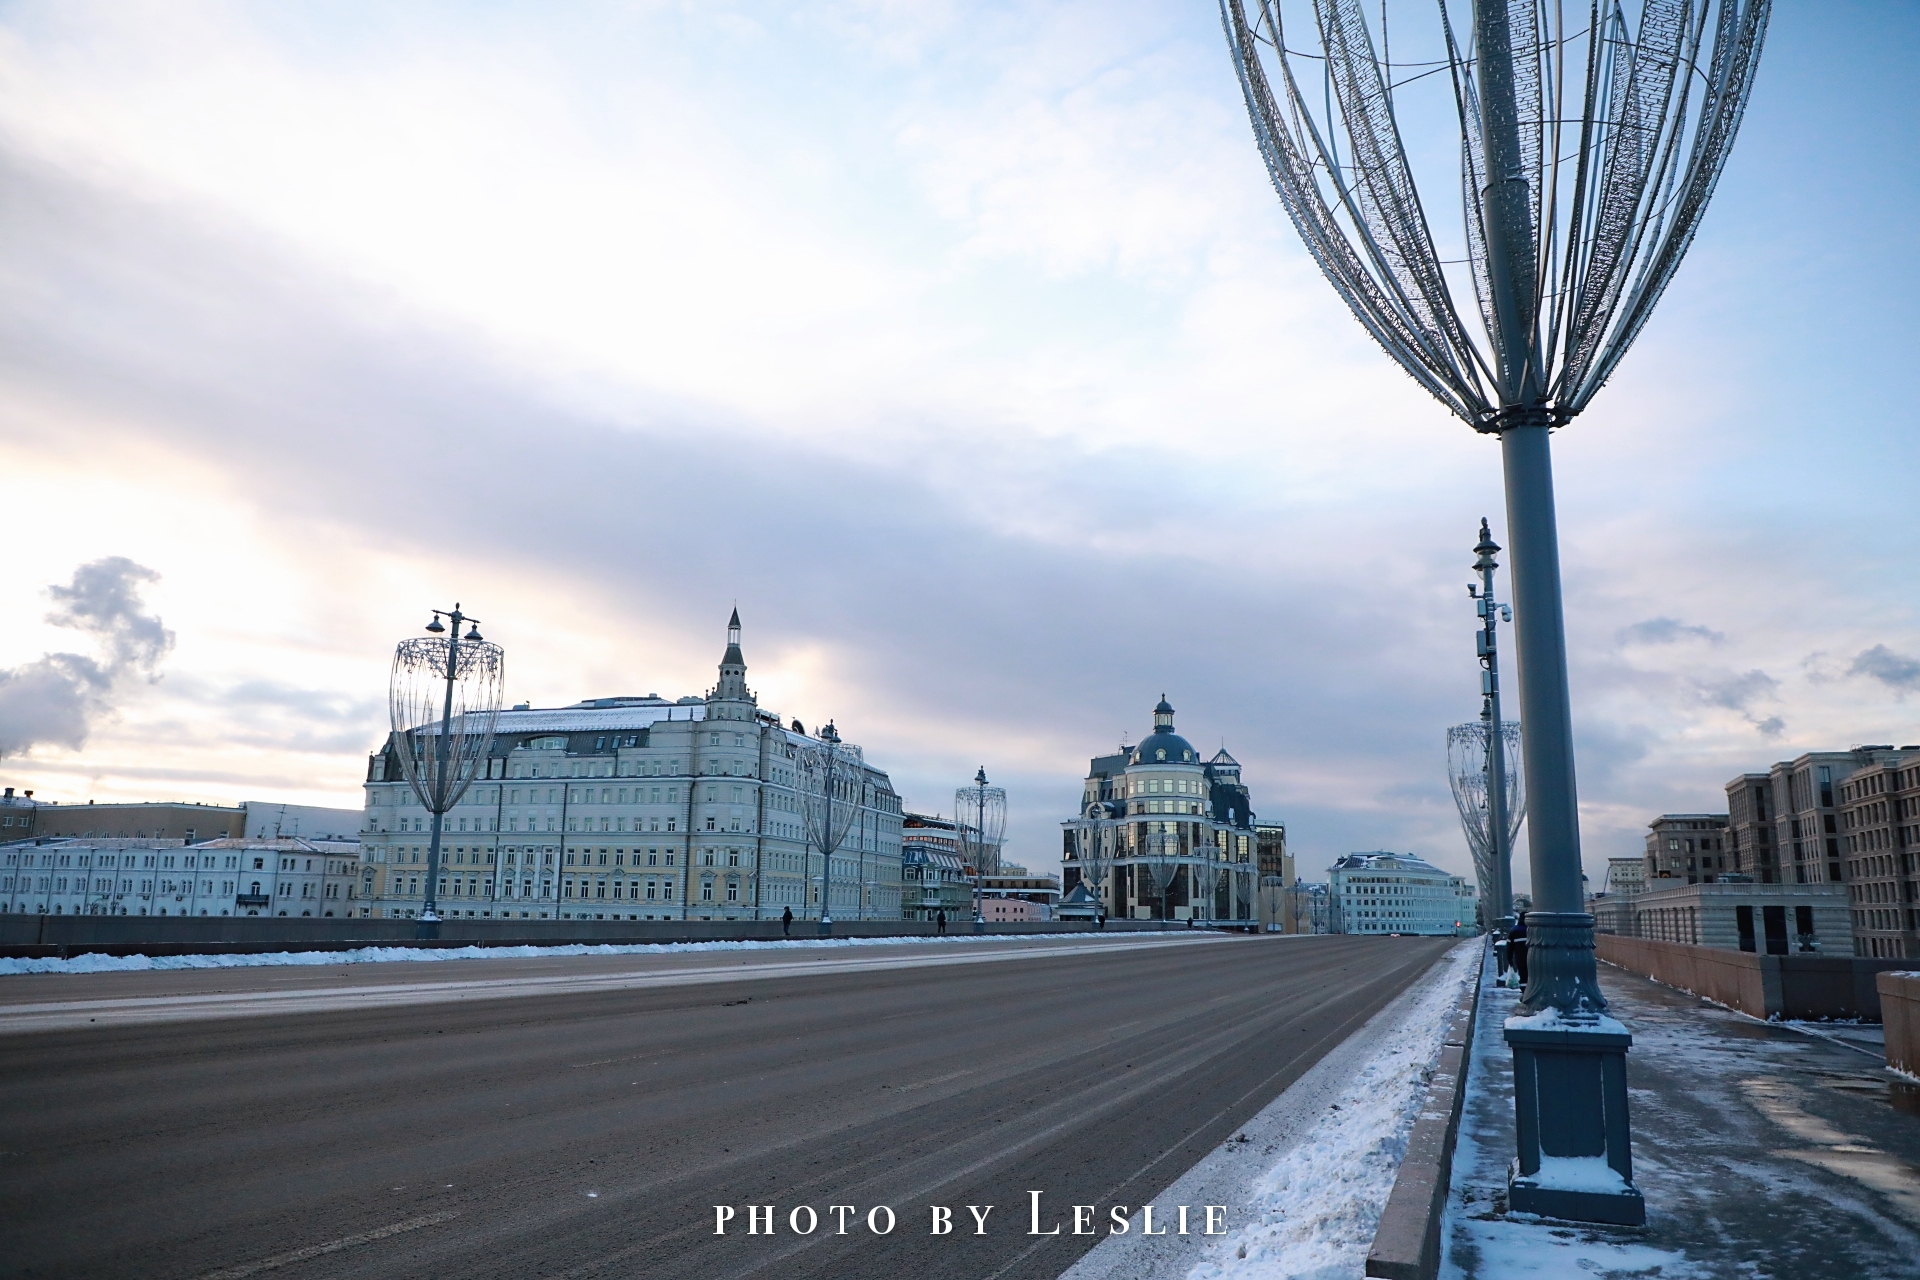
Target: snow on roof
(589,719)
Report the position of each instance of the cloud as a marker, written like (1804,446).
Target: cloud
(1668,631)
(56,700)
(1734,692)
(1895,670)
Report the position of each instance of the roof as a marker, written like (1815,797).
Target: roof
(286,844)
(584,718)
(1382,860)
(1221,757)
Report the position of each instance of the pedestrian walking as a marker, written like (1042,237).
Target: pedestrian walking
(1517,948)
(940,920)
(1100,920)
(786,923)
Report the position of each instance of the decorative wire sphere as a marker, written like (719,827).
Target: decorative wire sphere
(1162,864)
(980,826)
(1467,771)
(832,775)
(1203,878)
(1596,138)
(1093,852)
(419,698)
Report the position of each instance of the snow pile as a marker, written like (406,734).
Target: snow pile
(1314,1214)
(382,955)
(1551,1019)
(1579,1173)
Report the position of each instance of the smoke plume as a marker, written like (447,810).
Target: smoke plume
(56,700)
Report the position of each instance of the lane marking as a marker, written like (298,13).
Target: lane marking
(331,1246)
(921,1084)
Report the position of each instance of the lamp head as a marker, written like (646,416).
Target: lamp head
(1486,549)
(436,627)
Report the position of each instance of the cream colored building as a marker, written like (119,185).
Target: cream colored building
(635,809)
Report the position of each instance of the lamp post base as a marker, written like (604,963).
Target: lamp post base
(1570,1102)
(1619,1207)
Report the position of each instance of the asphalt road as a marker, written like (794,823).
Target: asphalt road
(562,1130)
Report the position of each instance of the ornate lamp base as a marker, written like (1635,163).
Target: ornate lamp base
(1570,1100)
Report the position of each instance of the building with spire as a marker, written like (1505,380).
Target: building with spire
(1163,834)
(635,808)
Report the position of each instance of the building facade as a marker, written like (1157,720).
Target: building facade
(1176,833)
(165,878)
(934,876)
(145,820)
(1013,883)
(1879,831)
(1381,893)
(1745,915)
(1686,846)
(638,809)
(17,813)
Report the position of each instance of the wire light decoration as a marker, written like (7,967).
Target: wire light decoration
(832,777)
(1467,771)
(443,699)
(979,828)
(1203,882)
(1590,140)
(1161,861)
(1093,838)
(1590,143)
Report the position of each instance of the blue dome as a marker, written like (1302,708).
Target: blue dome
(1165,747)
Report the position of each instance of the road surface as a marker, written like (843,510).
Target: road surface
(582,1117)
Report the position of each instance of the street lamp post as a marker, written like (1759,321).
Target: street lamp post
(827,766)
(979,824)
(979,865)
(1499,834)
(465,677)
(1591,140)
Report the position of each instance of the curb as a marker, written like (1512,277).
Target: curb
(1406,1246)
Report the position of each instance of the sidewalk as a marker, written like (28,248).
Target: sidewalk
(1763,1151)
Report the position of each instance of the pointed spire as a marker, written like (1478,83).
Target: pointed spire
(733,665)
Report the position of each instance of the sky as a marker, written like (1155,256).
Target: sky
(963,347)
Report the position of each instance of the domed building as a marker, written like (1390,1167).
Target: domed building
(1163,834)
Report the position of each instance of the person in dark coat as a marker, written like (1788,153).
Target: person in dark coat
(1517,948)
(1100,920)
(786,923)
(940,920)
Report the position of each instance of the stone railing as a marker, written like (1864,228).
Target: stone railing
(1789,986)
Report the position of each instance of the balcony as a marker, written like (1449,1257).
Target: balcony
(252,900)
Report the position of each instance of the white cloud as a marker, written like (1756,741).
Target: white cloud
(965,346)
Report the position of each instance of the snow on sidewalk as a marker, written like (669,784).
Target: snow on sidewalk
(1763,1151)
(386,955)
(1313,1215)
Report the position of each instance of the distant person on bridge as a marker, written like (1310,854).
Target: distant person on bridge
(786,923)
(940,920)
(1517,948)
